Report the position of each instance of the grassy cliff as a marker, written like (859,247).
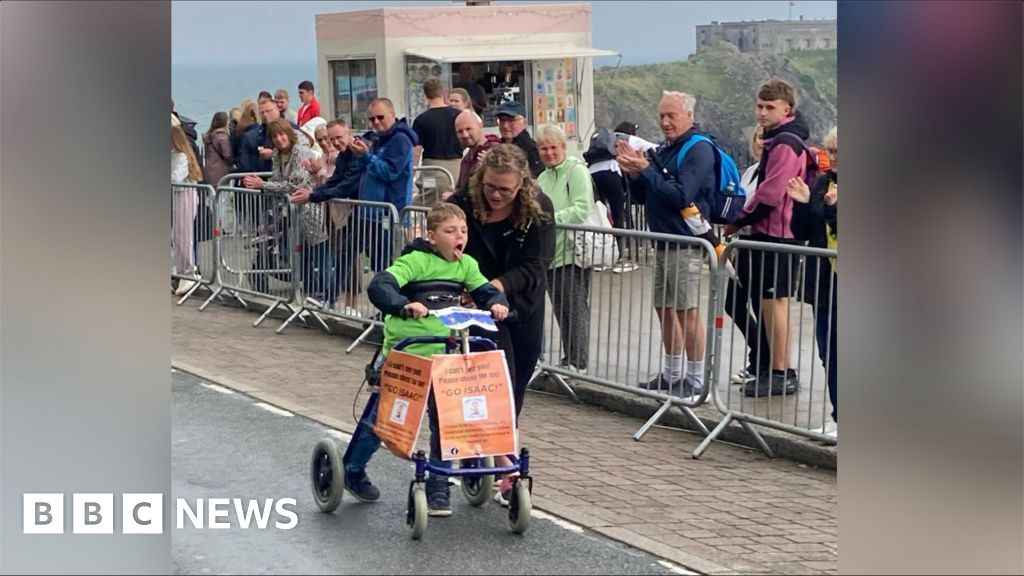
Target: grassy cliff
(725,83)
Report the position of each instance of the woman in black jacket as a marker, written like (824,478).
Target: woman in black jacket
(816,220)
(512,237)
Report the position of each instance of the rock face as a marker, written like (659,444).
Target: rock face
(725,83)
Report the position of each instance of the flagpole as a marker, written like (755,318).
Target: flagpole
(791,10)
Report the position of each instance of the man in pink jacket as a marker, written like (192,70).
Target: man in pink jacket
(773,274)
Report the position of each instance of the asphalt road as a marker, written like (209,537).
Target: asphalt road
(226,446)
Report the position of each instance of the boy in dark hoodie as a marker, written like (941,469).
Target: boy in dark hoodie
(430,274)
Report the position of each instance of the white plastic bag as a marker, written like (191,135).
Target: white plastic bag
(593,248)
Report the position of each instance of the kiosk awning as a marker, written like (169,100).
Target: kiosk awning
(492,53)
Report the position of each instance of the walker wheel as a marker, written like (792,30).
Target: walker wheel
(519,507)
(419,512)
(327,475)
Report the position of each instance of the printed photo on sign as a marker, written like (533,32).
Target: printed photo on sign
(474,408)
(399,410)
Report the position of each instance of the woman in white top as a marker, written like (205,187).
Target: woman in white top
(743,310)
(184,170)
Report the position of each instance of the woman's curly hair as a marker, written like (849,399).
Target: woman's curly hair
(505,159)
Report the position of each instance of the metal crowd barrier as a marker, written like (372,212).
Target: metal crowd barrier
(257,257)
(429,183)
(359,238)
(193,249)
(225,219)
(259,249)
(805,411)
(414,225)
(624,344)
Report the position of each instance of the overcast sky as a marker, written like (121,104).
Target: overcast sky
(228,32)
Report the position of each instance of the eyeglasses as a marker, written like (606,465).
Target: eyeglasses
(491,189)
(377,118)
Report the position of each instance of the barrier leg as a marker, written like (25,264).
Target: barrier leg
(215,294)
(199,284)
(714,434)
(565,387)
(359,339)
(271,308)
(295,314)
(652,420)
(757,438)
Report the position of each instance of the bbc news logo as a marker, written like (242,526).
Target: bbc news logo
(144,513)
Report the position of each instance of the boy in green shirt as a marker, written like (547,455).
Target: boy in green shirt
(430,274)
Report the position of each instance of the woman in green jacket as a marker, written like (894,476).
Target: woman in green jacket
(567,182)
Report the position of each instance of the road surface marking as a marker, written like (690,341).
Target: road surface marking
(218,388)
(273,409)
(557,521)
(674,568)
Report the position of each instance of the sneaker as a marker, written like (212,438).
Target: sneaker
(744,376)
(184,286)
(350,311)
(314,303)
(659,384)
(623,267)
(831,429)
(567,366)
(601,268)
(438,499)
(358,484)
(688,389)
(779,385)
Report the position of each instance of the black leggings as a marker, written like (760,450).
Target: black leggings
(521,342)
(611,189)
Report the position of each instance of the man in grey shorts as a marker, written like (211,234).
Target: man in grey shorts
(665,184)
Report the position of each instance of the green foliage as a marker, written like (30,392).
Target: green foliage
(725,83)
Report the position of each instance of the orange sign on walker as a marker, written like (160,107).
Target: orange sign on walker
(476,411)
(404,385)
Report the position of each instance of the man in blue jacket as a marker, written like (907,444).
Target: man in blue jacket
(665,187)
(383,158)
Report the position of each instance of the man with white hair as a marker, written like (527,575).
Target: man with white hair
(470,130)
(665,186)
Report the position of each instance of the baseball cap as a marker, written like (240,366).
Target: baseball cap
(511,109)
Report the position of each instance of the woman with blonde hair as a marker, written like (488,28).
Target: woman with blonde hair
(184,170)
(567,181)
(459,98)
(512,237)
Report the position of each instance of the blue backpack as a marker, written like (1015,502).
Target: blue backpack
(725,203)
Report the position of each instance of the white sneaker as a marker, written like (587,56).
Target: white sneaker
(350,311)
(184,286)
(314,303)
(742,377)
(831,429)
(624,267)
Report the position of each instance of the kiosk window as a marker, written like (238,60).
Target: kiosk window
(491,83)
(354,85)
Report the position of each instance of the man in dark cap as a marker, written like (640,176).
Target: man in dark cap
(512,125)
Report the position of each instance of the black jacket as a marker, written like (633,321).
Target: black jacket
(522,269)
(809,220)
(526,143)
(344,182)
